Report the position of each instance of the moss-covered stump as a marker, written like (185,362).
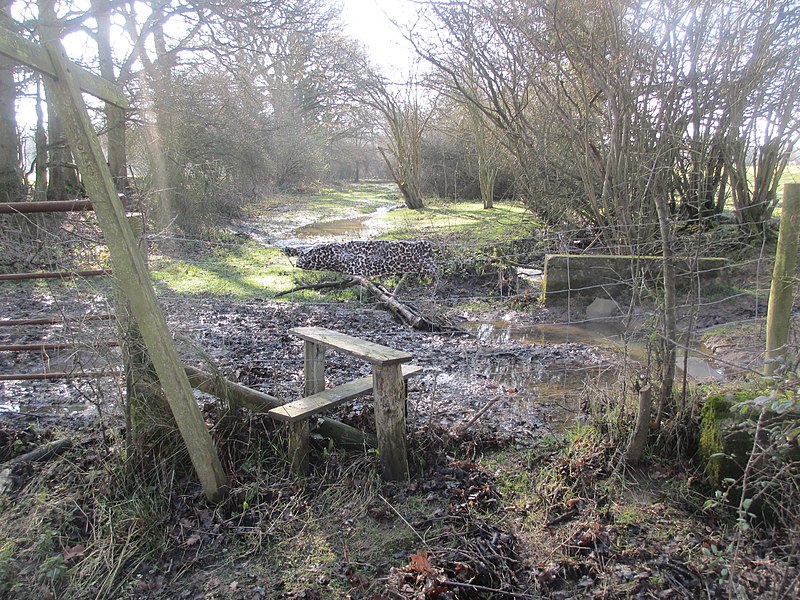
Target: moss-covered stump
(729,425)
(725,444)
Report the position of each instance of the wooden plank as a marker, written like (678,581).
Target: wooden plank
(57,375)
(131,273)
(17,48)
(57,320)
(306,407)
(234,393)
(390,422)
(368,351)
(42,347)
(298,430)
(313,368)
(259,402)
(45,206)
(53,275)
(298,446)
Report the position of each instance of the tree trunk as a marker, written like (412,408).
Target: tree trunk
(165,178)
(115,116)
(411,194)
(668,335)
(639,439)
(11,188)
(57,151)
(784,276)
(40,189)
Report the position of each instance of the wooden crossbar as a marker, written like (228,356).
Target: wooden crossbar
(44,206)
(56,375)
(368,351)
(33,55)
(54,275)
(50,346)
(311,405)
(56,320)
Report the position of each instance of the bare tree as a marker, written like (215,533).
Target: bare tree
(11,188)
(576,90)
(403,120)
(115,116)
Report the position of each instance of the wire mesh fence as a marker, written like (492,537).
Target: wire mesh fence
(491,288)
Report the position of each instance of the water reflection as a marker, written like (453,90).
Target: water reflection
(350,228)
(606,335)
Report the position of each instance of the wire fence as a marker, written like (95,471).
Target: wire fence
(527,353)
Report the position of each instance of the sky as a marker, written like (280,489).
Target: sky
(370,22)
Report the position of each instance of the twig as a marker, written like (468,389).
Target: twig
(403,519)
(481,588)
(479,414)
(572,512)
(344,283)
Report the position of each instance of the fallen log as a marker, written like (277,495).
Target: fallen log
(259,402)
(325,285)
(43,452)
(405,313)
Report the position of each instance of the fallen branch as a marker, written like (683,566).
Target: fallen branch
(404,312)
(407,314)
(325,285)
(461,429)
(44,452)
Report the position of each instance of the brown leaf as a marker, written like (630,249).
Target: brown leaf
(419,562)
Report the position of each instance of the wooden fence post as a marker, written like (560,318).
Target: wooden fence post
(132,274)
(784,276)
(390,421)
(314,382)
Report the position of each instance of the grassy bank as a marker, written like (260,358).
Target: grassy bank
(240,266)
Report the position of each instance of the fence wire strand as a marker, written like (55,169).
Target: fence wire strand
(487,276)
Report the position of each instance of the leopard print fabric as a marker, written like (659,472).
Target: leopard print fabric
(370,258)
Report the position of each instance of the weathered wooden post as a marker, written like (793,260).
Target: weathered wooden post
(132,274)
(784,275)
(390,420)
(314,382)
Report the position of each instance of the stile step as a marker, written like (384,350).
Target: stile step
(311,405)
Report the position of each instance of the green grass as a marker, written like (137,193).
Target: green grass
(247,270)
(244,269)
(467,220)
(329,203)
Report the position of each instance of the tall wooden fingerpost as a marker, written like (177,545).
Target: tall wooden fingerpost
(131,273)
(314,369)
(784,276)
(390,420)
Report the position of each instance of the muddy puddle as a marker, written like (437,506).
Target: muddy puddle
(607,335)
(353,228)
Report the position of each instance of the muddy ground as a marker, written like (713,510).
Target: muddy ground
(489,513)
